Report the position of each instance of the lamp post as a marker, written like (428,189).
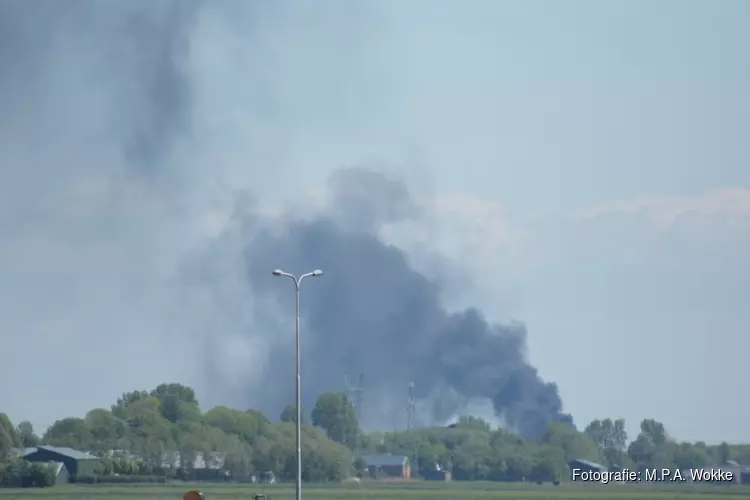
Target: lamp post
(297,282)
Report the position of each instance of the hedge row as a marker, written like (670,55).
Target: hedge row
(113,479)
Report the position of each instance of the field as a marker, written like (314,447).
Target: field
(390,491)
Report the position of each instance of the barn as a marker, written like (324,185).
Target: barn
(77,463)
(388,465)
(61,474)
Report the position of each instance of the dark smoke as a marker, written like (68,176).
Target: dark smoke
(373,313)
(114,125)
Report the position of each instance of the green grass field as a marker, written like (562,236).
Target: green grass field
(389,491)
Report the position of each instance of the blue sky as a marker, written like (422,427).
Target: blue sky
(583,167)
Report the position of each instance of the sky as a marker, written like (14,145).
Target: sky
(582,168)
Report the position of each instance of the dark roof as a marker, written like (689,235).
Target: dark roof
(67,452)
(385,460)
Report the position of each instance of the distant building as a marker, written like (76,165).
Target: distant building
(586,466)
(212,461)
(62,475)
(388,465)
(77,463)
(205,467)
(740,473)
(61,472)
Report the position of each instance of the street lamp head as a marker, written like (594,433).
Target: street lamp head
(317,272)
(278,272)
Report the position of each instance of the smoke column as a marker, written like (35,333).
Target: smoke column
(129,128)
(372,312)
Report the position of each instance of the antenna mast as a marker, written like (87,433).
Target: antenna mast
(355,395)
(411,408)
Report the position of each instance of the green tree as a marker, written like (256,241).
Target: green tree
(519,463)
(655,430)
(289,414)
(40,475)
(473,423)
(149,433)
(611,438)
(359,467)
(8,437)
(70,432)
(177,402)
(6,444)
(642,451)
(575,445)
(26,434)
(335,414)
(725,454)
(470,460)
(126,400)
(108,431)
(142,415)
(192,441)
(248,425)
(238,462)
(687,455)
(652,448)
(430,454)
(549,465)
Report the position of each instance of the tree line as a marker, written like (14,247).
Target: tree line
(137,435)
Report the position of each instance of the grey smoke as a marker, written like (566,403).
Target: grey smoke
(372,313)
(120,123)
(365,199)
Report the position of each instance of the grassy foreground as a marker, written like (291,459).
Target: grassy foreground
(389,491)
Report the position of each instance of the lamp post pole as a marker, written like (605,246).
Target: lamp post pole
(298,397)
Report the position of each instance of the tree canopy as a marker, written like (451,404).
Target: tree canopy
(138,434)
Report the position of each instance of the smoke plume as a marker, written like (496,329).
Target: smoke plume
(373,313)
(131,128)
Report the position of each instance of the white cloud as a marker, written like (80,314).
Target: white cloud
(731,206)
(480,236)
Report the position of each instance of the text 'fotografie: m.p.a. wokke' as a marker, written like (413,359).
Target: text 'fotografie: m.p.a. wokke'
(653,475)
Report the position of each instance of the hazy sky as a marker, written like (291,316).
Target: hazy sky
(584,166)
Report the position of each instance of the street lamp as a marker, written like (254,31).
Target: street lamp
(297,282)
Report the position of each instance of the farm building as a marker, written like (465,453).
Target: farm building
(77,463)
(388,465)
(61,474)
(205,467)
